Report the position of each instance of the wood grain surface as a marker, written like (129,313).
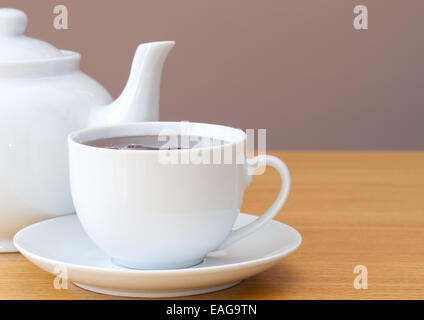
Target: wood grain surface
(352,208)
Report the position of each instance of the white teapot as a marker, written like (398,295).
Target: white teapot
(43,97)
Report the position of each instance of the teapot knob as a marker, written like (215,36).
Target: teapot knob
(13,22)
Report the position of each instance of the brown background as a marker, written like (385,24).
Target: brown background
(294,67)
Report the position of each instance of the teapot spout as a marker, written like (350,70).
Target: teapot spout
(139,101)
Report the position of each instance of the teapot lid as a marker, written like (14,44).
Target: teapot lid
(15,46)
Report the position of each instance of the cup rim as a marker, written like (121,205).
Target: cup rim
(237,135)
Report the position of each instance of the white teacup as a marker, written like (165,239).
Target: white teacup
(147,213)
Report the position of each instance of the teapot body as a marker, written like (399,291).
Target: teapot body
(37,114)
(44,97)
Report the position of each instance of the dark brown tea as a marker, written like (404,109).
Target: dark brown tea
(154,142)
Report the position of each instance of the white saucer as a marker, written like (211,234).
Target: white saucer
(62,243)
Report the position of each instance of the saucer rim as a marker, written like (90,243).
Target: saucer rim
(250,263)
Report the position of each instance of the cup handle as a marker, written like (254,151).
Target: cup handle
(254,226)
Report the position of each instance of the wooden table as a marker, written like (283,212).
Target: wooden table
(352,208)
